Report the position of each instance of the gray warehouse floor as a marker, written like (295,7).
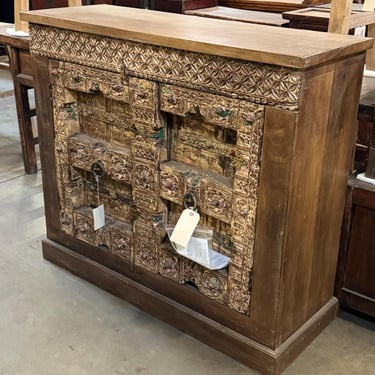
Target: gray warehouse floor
(53,323)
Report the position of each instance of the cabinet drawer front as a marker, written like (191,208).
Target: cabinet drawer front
(215,109)
(91,80)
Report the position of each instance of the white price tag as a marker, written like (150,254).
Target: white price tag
(99,217)
(185,227)
(360,31)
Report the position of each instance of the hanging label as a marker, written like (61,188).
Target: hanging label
(185,227)
(99,217)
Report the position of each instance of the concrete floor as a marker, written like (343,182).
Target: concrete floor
(52,322)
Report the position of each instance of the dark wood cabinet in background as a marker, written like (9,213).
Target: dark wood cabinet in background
(355,284)
(355,279)
(271,5)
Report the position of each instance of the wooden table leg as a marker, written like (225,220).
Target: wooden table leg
(22,83)
(340,16)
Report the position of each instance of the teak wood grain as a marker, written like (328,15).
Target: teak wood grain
(20,6)
(279,132)
(290,48)
(318,190)
(305,157)
(340,16)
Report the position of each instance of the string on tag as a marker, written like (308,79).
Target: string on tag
(98,172)
(97,190)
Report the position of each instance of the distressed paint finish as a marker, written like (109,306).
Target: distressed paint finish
(210,147)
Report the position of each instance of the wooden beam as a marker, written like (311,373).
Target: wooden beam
(368,6)
(370,57)
(20,6)
(74,3)
(340,16)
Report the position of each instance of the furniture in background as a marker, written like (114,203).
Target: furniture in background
(363,158)
(242,15)
(4,59)
(355,280)
(21,67)
(271,5)
(339,17)
(317,18)
(355,283)
(174,6)
(176,106)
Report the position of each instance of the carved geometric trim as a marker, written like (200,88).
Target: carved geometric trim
(86,49)
(259,83)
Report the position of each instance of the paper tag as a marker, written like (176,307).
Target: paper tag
(197,249)
(185,227)
(360,31)
(99,217)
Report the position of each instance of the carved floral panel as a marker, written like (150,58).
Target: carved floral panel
(159,132)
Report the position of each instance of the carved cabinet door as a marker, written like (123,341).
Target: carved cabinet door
(156,143)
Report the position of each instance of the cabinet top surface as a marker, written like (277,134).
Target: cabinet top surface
(264,44)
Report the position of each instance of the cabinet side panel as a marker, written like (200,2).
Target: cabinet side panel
(277,156)
(304,192)
(47,138)
(338,152)
(319,172)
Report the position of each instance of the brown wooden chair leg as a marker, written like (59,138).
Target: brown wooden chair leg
(22,83)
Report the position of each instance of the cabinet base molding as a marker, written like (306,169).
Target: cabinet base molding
(214,334)
(357,301)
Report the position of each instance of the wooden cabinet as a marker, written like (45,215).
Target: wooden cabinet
(355,281)
(167,106)
(355,286)
(317,18)
(174,6)
(271,5)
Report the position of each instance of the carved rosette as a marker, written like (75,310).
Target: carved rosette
(146,158)
(84,227)
(144,103)
(216,200)
(146,245)
(212,284)
(121,241)
(118,161)
(169,265)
